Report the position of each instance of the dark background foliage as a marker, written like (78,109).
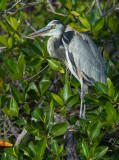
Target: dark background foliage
(39,99)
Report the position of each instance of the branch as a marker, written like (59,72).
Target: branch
(13,6)
(24,7)
(50,5)
(91,7)
(70,144)
(57,13)
(106,5)
(111,10)
(30,25)
(21,137)
(99,7)
(37,73)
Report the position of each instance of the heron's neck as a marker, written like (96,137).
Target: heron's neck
(53,45)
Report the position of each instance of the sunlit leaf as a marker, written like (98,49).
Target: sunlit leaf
(13,107)
(100,152)
(59,129)
(85,148)
(2,5)
(40,147)
(44,84)
(38,114)
(57,99)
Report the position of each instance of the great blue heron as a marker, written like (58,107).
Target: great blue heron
(78,52)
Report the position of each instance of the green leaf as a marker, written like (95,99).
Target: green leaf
(111,90)
(101,88)
(26,108)
(73,100)
(21,64)
(16,94)
(67,3)
(39,45)
(85,22)
(85,148)
(113,24)
(50,115)
(116,92)
(75,13)
(57,99)
(111,113)
(44,84)
(95,15)
(91,100)
(59,129)
(75,82)
(66,89)
(13,107)
(11,65)
(14,23)
(10,42)
(100,152)
(4,27)
(2,5)
(3,41)
(78,27)
(95,130)
(31,148)
(40,147)
(55,147)
(16,76)
(98,24)
(38,114)
(53,64)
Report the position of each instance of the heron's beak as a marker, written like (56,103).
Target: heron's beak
(40,32)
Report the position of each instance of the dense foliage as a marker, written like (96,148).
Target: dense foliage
(37,92)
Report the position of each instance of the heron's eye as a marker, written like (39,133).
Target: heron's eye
(54,25)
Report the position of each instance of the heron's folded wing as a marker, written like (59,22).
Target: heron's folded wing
(87,57)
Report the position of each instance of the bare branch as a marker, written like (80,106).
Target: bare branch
(99,7)
(37,73)
(91,7)
(64,15)
(13,6)
(24,7)
(50,5)
(106,5)
(110,10)
(30,25)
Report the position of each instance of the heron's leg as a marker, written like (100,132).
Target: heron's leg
(82,96)
(84,109)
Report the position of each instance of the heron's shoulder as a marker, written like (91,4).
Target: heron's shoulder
(68,35)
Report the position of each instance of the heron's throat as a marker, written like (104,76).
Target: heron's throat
(55,48)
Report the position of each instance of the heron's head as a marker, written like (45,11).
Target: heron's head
(54,28)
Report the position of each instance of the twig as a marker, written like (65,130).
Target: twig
(24,7)
(30,25)
(99,7)
(57,13)
(91,7)
(13,6)
(106,5)
(50,5)
(110,10)
(37,73)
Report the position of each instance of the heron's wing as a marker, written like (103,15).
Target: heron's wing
(87,58)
